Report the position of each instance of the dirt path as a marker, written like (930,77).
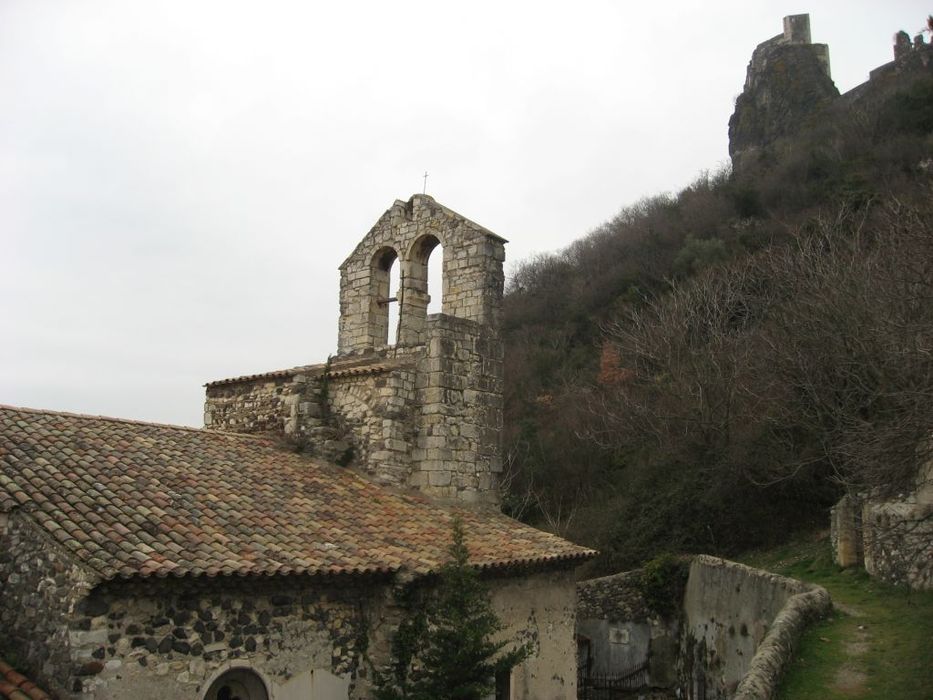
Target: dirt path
(850,679)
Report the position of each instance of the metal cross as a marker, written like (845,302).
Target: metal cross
(425,190)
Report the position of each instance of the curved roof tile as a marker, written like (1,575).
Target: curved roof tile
(132,499)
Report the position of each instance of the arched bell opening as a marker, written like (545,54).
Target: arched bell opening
(423,257)
(384,292)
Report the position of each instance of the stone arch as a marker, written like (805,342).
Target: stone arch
(416,285)
(380,273)
(239,682)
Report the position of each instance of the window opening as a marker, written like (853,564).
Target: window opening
(393,302)
(436,279)
(383,320)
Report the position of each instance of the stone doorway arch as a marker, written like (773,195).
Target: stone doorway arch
(237,684)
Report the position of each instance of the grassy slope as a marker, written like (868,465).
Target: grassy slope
(877,644)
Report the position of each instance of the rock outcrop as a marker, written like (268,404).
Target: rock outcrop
(788,80)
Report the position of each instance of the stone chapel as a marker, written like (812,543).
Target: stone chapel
(261,556)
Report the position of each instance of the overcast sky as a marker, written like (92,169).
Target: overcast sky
(180,180)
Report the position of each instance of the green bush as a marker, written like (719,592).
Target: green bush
(662,584)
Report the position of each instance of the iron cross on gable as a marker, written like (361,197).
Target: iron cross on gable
(425,190)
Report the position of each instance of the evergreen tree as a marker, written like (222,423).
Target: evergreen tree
(443,650)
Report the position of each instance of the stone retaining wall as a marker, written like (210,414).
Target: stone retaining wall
(734,613)
(732,638)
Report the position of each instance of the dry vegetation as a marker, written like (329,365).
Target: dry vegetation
(711,371)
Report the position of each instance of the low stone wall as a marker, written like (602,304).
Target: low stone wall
(778,646)
(741,625)
(732,638)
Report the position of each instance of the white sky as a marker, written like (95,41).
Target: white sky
(180,180)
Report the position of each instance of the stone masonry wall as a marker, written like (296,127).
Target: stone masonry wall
(39,589)
(898,541)
(272,404)
(459,404)
(427,417)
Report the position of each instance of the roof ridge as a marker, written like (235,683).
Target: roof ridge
(133,421)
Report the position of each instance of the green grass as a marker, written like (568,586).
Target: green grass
(890,626)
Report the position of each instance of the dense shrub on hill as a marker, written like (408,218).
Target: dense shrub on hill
(688,376)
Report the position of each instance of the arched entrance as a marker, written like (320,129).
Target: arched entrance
(237,684)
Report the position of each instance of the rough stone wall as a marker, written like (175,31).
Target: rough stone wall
(892,539)
(291,404)
(623,633)
(899,543)
(168,638)
(459,404)
(377,416)
(429,417)
(729,610)
(40,588)
(897,536)
(274,404)
(787,81)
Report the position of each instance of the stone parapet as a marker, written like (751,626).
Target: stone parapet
(741,627)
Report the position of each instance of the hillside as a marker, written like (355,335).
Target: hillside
(709,371)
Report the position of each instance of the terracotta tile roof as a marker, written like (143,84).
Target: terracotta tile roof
(16,686)
(347,368)
(139,499)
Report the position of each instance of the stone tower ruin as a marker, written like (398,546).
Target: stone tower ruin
(787,81)
(424,413)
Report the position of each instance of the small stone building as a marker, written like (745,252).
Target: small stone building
(262,557)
